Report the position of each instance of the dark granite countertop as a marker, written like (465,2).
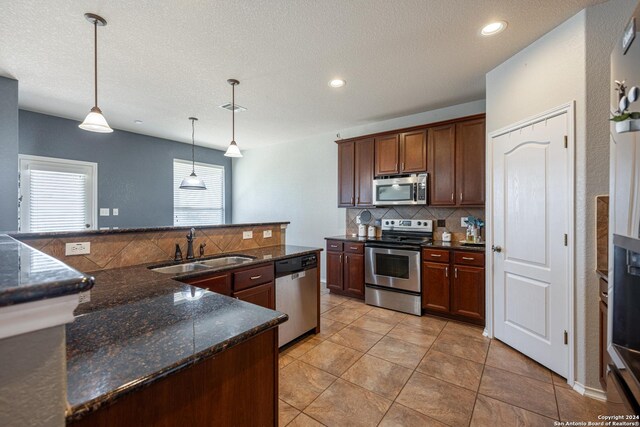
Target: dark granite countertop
(458,246)
(141,325)
(27,275)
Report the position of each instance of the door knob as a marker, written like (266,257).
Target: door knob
(496,249)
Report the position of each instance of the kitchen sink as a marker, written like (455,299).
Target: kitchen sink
(180,268)
(226,260)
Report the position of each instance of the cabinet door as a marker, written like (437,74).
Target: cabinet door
(334,270)
(413,152)
(364,172)
(386,153)
(346,173)
(263,295)
(354,274)
(442,165)
(470,167)
(603,355)
(219,283)
(467,291)
(435,286)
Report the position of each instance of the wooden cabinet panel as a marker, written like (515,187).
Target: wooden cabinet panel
(469,258)
(346,173)
(334,270)
(354,274)
(413,151)
(263,295)
(253,277)
(435,255)
(467,292)
(386,155)
(364,159)
(603,353)
(470,162)
(334,245)
(355,248)
(220,283)
(442,165)
(435,286)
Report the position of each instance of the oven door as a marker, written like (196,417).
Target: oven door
(395,191)
(393,268)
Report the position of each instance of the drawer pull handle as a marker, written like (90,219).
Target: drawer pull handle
(468,258)
(334,246)
(353,248)
(436,255)
(256,277)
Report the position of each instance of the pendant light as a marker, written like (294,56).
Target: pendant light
(193,182)
(233,150)
(95,121)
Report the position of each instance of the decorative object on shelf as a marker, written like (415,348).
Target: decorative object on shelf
(193,182)
(233,150)
(626,121)
(95,121)
(446,236)
(474,229)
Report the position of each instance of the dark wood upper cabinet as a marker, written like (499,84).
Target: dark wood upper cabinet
(442,165)
(387,154)
(413,151)
(470,162)
(364,172)
(346,173)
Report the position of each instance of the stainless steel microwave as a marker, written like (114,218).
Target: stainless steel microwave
(407,190)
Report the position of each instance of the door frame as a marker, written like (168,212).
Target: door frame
(569,109)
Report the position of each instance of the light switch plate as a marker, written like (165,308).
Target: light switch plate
(266,234)
(463,222)
(81,248)
(247,235)
(104,211)
(115,211)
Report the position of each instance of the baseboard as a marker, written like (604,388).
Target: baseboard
(593,393)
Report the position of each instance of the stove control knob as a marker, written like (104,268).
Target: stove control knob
(419,223)
(386,223)
(393,222)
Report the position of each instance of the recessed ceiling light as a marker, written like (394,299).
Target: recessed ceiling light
(493,28)
(138,122)
(335,83)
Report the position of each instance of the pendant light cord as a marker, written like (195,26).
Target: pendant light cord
(233,112)
(95,62)
(193,146)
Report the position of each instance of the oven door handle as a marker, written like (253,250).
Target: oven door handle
(393,246)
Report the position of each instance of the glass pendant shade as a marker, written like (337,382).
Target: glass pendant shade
(193,182)
(233,150)
(95,122)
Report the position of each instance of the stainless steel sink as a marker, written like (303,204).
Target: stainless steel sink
(226,260)
(181,268)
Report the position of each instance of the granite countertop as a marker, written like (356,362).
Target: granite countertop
(140,326)
(459,246)
(28,275)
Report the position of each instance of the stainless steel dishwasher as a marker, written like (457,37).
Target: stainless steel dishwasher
(297,296)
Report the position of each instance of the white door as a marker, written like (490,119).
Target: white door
(530,222)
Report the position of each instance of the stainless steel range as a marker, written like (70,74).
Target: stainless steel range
(392,265)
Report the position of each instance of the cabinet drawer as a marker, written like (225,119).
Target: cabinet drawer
(469,258)
(435,255)
(604,291)
(250,278)
(220,283)
(354,248)
(334,245)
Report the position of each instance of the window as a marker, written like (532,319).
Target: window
(198,207)
(57,194)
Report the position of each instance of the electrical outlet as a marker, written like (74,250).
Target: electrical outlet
(266,234)
(104,211)
(442,223)
(84,297)
(81,248)
(115,211)
(247,235)
(463,222)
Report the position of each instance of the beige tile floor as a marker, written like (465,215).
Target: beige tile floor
(375,367)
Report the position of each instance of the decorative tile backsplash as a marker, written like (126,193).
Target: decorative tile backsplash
(452,217)
(125,249)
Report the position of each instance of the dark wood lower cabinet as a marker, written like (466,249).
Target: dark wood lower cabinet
(334,270)
(262,295)
(345,268)
(467,292)
(219,283)
(238,387)
(603,358)
(354,274)
(435,286)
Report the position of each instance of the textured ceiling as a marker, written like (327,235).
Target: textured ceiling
(162,61)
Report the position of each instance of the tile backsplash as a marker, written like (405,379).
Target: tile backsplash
(452,217)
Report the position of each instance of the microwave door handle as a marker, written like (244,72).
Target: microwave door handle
(415,192)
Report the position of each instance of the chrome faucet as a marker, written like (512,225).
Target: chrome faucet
(190,237)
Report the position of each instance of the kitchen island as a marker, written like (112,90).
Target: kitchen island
(148,349)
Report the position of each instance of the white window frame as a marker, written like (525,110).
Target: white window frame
(224,185)
(62,165)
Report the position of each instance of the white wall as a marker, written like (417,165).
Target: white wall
(297,181)
(570,63)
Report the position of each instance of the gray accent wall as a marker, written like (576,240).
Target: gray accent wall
(8,154)
(135,172)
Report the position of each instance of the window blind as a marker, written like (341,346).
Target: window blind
(57,201)
(198,207)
